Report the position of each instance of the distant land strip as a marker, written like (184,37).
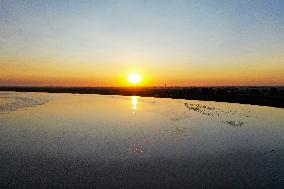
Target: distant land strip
(264,96)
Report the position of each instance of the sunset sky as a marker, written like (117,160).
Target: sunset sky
(177,42)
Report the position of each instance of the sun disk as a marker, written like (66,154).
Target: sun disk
(134,78)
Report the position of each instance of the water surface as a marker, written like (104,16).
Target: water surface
(75,140)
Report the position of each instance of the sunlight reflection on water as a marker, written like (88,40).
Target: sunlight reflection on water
(134,102)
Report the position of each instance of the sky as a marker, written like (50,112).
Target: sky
(168,42)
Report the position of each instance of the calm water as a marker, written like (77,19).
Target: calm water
(72,140)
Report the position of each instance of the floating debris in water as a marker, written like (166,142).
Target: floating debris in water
(137,149)
(212,111)
(234,123)
(205,110)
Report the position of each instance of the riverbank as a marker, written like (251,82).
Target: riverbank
(264,96)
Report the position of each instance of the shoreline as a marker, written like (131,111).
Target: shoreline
(263,96)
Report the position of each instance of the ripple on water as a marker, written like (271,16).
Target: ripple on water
(13,103)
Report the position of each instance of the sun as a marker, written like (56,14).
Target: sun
(134,78)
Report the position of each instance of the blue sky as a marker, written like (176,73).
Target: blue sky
(177,32)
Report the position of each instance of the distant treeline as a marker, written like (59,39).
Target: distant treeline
(266,96)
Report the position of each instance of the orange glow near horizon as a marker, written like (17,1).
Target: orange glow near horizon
(39,72)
